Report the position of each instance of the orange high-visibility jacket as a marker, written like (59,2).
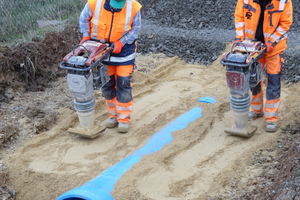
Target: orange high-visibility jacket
(278,18)
(111,25)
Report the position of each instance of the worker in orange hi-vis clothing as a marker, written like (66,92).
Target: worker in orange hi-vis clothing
(118,22)
(267,21)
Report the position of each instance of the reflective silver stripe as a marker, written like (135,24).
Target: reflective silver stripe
(275,37)
(239,24)
(247,38)
(124,108)
(239,33)
(267,35)
(249,31)
(97,13)
(246,1)
(280,30)
(281,5)
(272,105)
(128,14)
(271,114)
(111,104)
(285,36)
(113,112)
(121,59)
(257,99)
(121,116)
(256,107)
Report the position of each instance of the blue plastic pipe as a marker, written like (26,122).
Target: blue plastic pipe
(210,100)
(100,187)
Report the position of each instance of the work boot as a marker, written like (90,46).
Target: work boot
(271,127)
(111,123)
(123,127)
(253,115)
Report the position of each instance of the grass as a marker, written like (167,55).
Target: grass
(18,18)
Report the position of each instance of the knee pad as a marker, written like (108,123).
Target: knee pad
(257,89)
(273,87)
(124,89)
(109,89)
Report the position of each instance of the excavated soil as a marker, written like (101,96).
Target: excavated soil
(31,66)
(178,63)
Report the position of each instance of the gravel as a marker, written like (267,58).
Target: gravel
(198,31)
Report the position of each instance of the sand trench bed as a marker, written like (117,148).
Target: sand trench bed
(200,162)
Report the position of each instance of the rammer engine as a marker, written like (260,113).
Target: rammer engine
(86,73)
(243,71)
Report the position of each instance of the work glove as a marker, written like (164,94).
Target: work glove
(84,39)
(117,47)
(269,47)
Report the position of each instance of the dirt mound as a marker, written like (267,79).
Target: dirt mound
(279,178)
(6,193)
(287,182)
(33,65)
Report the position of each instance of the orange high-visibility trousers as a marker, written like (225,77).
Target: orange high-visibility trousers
(118,92)
(275,64)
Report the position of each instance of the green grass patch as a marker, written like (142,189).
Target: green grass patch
(18,19)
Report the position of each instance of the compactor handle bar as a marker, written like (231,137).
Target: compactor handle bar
(260,54)
(236,64)
(238,43)
(79,45)
(105,55)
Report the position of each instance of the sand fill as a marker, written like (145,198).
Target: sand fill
(199,163)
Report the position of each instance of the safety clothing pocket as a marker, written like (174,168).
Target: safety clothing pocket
(119,28)
(101,30)
(282,61)
(274,17)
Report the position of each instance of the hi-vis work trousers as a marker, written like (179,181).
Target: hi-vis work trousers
(275,64)
(118,92)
